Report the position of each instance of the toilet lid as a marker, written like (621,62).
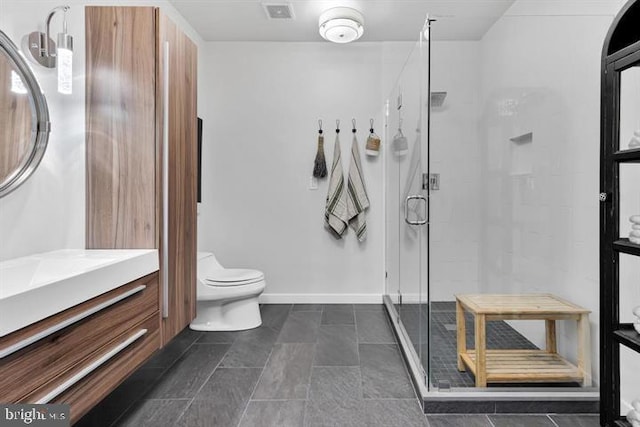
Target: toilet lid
(233,277)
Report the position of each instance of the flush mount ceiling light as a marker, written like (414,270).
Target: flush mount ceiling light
(341,25)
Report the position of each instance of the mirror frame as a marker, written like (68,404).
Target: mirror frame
(40,127)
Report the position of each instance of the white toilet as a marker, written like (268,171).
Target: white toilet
(227,297)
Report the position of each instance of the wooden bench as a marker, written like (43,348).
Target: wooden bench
(510,365)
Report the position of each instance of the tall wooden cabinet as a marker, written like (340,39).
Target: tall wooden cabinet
(177,126)
(620,64)
(141,147)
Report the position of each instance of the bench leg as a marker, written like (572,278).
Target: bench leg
(584,349)
(551,336)
(481,351)
(461,335)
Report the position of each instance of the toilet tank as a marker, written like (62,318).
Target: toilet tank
(206,262)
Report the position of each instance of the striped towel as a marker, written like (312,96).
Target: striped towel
(357,200)
(335,213)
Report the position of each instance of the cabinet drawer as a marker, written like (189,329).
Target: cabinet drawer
(120,358)
(29,368)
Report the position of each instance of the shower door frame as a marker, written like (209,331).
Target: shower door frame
(419,375)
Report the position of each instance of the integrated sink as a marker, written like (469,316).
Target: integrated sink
(35,287)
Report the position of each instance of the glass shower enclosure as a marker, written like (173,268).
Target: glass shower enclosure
(407,115)
(435,236)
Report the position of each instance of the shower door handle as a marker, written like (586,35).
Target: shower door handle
(406,210)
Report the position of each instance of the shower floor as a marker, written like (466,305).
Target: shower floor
(444,368)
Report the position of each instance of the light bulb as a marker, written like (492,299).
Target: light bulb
(65,71)
(65,60)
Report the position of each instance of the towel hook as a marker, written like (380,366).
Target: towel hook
(338,126)
(371,125)
(353,123)
(320,126)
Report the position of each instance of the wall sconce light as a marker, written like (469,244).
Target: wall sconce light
(44,51)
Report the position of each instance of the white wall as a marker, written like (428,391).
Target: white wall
(48,211)
(260,142)
(262,104)
(455,155)
(541,74)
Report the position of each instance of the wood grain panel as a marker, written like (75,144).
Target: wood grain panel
(105,379)
(43,361)
(16,139)
(120,125)
(182,171)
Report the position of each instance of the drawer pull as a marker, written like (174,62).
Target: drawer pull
(70,321)
(90,368)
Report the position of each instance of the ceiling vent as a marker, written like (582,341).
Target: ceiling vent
(278,10)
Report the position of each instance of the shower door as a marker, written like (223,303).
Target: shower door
(407,209)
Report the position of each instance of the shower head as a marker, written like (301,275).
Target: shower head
(437,98)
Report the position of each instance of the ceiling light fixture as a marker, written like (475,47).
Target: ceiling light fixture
(341,25)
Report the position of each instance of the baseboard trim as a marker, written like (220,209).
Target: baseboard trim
(320,299)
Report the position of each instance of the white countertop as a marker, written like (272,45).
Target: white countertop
(35,287)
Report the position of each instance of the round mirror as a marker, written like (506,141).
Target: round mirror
(24,118)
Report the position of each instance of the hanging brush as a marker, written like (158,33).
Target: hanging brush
(320,164)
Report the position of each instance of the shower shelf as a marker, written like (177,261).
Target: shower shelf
(524,138)
(628,156)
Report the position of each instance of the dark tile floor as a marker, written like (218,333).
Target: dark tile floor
(307,365)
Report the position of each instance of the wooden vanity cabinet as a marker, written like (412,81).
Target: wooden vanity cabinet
(141,185)
(78,356)
(141,123)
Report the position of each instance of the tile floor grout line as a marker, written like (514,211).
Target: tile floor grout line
(490,421)
(164,371)
(311,371)
(126,409)
(203,384)
(266,363)
(355,326)
(552,420)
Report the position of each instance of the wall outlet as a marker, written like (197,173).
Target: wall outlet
(313,183)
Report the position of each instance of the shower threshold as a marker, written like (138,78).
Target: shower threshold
(470,400)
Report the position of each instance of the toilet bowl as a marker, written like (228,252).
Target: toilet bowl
(227,298)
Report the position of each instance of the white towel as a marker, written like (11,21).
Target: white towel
(335,212)
(357,200)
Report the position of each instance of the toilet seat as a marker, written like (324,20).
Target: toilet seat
(233,277)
